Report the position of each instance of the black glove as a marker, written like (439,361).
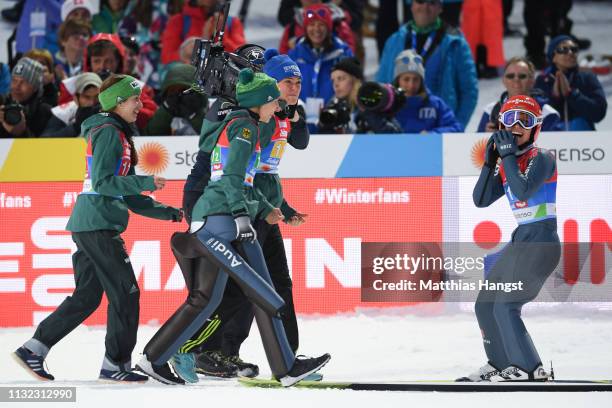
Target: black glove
(491,154)
(83,113)
(504,142)
(245,231)
(184,104)
(178,215)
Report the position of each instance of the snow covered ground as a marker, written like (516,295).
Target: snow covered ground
(399,346)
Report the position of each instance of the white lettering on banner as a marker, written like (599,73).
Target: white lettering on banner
(69,198)
(176,281)
(320,256)
(288,243)
(146,260)
(344,196)
(42,239)
(7,201)
(11,285)
(43,292)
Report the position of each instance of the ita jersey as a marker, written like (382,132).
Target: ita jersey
(542,204)
(218,159)
(271,154)
(123,164)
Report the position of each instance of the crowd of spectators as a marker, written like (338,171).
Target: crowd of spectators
(433,61)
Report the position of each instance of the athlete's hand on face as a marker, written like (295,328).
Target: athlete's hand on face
(159,182)
(297,219)
(504,143)
(275,216)
(491,127)
(491,154)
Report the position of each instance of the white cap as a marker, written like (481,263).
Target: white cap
(70,5)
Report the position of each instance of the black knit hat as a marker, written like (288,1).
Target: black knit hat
(350,65)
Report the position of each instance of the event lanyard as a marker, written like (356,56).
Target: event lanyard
(427,44)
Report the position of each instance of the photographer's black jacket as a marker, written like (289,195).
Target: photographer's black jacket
(37,114)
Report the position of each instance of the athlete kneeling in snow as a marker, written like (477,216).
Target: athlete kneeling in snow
(527,175)
(222,234)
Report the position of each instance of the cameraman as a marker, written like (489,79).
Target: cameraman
(180,113)
(422,112)
(22,112)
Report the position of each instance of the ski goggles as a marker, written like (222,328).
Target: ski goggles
(524,118)
(321,12)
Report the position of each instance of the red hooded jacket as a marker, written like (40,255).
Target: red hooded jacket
(148,104)
(176,32)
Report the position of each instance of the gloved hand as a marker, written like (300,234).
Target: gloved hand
(83,113)
(178,215)
(505,143)
(245,231)
(184,104)
(491,154)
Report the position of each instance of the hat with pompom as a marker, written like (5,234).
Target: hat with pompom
(255,89)
(279,66)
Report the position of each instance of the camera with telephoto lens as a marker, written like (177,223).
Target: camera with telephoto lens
(335,117)
(380,98)
(12,113)
(216,69)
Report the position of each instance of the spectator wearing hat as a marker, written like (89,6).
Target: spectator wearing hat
(82,10)
(105,54)
(67,118)
(72,37)
(422,112)
(315,54)
(448,61)
(50,88)
(577,95)
(295,29)
(31,116)
(347,77)
(519,79)
(179,113)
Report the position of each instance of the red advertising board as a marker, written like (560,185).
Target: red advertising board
(324,254)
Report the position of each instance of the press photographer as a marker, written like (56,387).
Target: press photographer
(22,112)
(357,107)
(338,115)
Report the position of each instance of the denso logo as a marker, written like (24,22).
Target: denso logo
(579,155)
(523,214)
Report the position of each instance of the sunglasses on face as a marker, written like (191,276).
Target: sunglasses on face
(527,120)
(567,50)
(512,75)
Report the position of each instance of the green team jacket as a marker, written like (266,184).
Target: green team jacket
(229,194)
(269,185)
(111,187)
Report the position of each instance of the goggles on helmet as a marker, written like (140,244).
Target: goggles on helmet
(524,118)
